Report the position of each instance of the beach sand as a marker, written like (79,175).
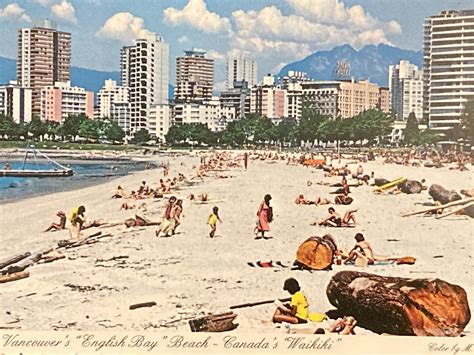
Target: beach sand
(190,274)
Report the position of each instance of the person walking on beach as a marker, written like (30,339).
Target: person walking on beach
(166,224)
(176,215)
(77,219)
(265,216)
(246,160)
(212,221)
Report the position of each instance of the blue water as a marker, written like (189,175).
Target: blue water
(85,174)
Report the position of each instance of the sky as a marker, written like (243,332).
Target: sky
(274,32)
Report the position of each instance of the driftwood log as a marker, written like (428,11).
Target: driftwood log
(214,323)
(26,262)
(15,276)
(439,193)
(316,253)
(394,305)
(13,260)
(411,187)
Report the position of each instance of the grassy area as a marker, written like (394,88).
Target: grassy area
(69,145)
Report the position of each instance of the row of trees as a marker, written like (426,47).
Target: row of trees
(72,127)
(372,125)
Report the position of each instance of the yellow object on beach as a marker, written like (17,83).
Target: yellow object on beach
(316,317)
(212,220)
(391,184)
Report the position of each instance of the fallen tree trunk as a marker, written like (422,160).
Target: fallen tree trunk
(13,277)
(30,260)
(394,305)
(439,193)
(13,260)
(467,208)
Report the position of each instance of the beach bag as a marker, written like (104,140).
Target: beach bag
(270,214)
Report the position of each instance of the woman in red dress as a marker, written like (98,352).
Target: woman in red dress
(265,216)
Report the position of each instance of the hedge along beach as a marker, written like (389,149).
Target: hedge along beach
(190,275)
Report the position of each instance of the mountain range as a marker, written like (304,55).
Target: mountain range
(90,79)
(370,62)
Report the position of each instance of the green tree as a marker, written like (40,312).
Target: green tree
(37,128)
(467,121)
(142,136)
(8,127)
(286,131)
(52,129)
(71,125)
(428,137)
(112,131)
(412,132)
(91,129)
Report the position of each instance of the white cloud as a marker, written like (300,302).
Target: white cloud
(217,56)
(124,27)
(14,12)
(64,11)
(44,3)
(183,39)
(196,14)
(219,86)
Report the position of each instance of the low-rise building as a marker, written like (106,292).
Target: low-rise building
(16,102)
(62,100)
(237,97)
(268,100)
(159,121)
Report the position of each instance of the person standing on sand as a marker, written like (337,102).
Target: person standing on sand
(212,221)
(265,215)
(176,215)
(77,219)
(166,224)
(246,159)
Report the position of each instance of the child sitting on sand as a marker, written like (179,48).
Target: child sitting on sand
(58,226)
(212,221)
(297,311)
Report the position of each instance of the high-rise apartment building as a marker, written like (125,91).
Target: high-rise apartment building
(194,77)
(405,82)
(241,68)
(237,97)
(448,67)
(144,68)
(44,58)
(269,100)
(113,101)
(61,100)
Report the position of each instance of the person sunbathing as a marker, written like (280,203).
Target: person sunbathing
(300,200)
(343,200)
(139,221)
(335,220)
(120,193)
(341,326)
(319,201)
(361,250)
(126,206)
(58,226)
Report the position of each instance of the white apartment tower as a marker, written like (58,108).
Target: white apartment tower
(239,68)
(448,73)
(194,77)
(44,58)
(113,102)
(405,82)
(144,68)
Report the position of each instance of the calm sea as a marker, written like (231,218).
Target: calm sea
(85,174)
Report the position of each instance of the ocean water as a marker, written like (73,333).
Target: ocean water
(86,173)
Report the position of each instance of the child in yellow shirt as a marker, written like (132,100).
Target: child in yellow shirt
(212,221)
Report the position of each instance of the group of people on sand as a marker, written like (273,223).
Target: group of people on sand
(171,217)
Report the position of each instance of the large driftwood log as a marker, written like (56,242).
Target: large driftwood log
(439,193)
(15,276)
(30,260)
(316,253)
(400,306)
(13,260)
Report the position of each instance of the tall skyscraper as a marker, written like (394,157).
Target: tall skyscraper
(405,82)
(239,68)
(44,58)
(194,77)
(144,68)
(447,66)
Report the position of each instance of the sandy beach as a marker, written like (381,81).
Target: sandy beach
(190,274)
